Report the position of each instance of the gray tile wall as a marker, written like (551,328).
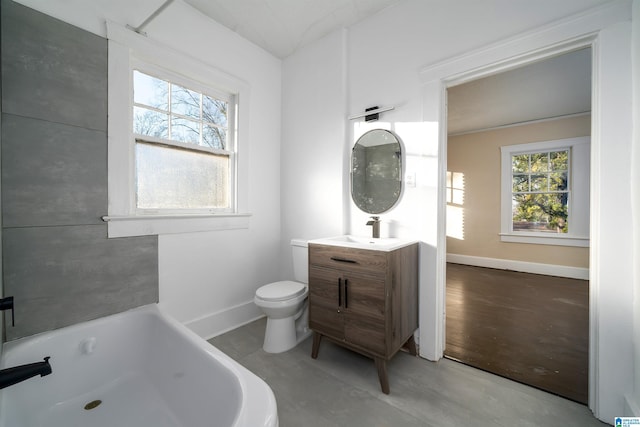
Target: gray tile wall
(57,260)
(2,334)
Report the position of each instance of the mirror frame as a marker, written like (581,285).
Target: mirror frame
(400,178)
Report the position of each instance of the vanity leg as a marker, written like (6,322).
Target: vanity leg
(316,345)
(381,365)
(411,346)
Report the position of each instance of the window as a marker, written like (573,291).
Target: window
(545,192)
(184,147)
(174,138)
(540,191)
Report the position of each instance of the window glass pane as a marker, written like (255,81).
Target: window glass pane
(170,178)
(521,163)
(558,181)
(184,130)
(559,160)
(539,182)
(214,137)
(149,122)
(540,213)
(150,91)
(214,111)
(185,102)
(539,162)
(520,183)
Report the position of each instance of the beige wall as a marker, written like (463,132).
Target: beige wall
(477,156)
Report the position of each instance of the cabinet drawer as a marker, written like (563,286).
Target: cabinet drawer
(348,259)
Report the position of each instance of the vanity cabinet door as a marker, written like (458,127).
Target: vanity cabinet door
(364,308)
(366,333)
(325,302)
(364,295)
(349,307)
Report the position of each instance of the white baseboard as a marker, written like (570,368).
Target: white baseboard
(522,266)
(217,323)
(631,408)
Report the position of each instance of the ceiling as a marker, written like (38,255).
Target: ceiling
(555,87)
(283,26)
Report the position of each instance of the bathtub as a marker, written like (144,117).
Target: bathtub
(134,369)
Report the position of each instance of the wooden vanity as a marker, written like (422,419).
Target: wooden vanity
(365,300)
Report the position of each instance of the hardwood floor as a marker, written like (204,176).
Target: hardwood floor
(530,328)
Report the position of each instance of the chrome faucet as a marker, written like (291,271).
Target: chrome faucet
(375,223)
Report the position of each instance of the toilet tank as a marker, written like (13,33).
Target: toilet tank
(300,253)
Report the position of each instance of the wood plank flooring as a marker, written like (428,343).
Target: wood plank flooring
(530,328)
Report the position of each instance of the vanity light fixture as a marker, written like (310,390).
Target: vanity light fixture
(371,114)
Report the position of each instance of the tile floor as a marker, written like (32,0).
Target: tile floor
(341,388)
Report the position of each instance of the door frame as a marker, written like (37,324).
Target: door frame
(563,37)
(589,41)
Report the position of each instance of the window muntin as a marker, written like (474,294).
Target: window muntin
(184,147)
(540,191)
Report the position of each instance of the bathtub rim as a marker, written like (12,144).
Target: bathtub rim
(258,406)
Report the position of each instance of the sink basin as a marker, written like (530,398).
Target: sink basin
(384,244)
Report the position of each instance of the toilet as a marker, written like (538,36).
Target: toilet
(285,305)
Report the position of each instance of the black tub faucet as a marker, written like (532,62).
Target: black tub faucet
(11,376)
(7,304)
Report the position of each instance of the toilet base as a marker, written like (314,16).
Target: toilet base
(280,335)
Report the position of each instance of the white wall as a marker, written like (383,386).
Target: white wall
(633,401)
(384,57)
(614,243)
(312,178)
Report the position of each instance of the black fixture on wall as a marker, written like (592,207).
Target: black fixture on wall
(371,114)
(371,117)
(7,304)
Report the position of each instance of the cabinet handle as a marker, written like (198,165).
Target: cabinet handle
(339,292)
(346,283)
(350,261)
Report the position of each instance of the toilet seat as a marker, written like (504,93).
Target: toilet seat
(281,291)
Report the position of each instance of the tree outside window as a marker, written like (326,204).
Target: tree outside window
(540,191)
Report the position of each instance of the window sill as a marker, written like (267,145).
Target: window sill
(148,225)
(556,240)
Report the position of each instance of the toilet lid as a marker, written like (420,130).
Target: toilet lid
(279,291)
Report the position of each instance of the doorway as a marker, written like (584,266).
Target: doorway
(509,310)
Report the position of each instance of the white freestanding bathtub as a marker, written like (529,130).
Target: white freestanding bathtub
(134,369)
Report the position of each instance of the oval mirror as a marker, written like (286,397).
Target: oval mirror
(376,171)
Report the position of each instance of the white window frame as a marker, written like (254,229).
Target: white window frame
(579,159)
(166,75)
(128,51)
